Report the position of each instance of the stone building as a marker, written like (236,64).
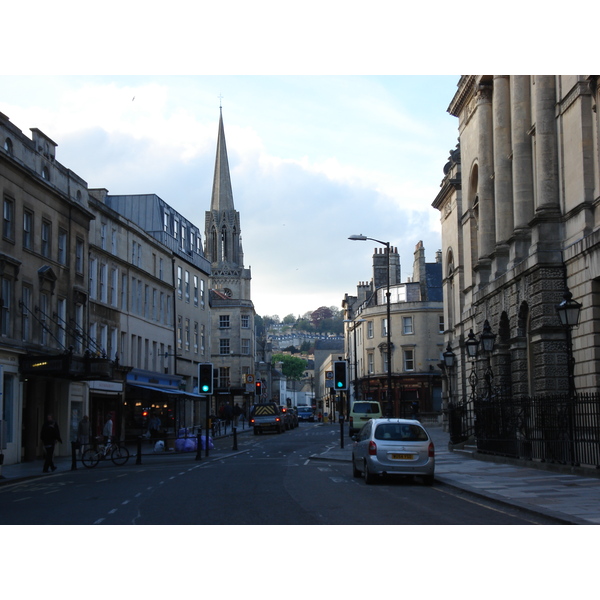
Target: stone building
(520,227)
(416,335)
(45,360)
(231,308)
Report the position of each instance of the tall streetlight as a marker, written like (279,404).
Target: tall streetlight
(363,238)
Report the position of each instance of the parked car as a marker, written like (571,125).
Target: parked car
(361,412)
(294,412)
(306,413)
(393,447)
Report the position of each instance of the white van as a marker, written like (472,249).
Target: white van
(361,412)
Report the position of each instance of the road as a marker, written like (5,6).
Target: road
(269,480)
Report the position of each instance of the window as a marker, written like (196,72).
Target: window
(196,338)
(409,360)
(160,269)
(154,304)
(8,145)
(245,346)
(179,283)
(62,246)
(28,230)
(112,292)
(8,415)
(224,346)
(187,335)
(179,333)
(187,286)
(245,321)
(93,286)
(202,338)
(124,292)
(8,219)
(195,290)
(384,327)
(103,236)
(102,284)
(166,222)
(441,324)
(25,313)
(202,292)
(407,325)
(79,327)
(46,173)
(370,329)
(223,321)
(113,241)
(79,255)
(371,361)
(43,312)
(62,323)
(6,288)
(46,238)
(223,377)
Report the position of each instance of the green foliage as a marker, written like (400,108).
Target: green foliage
(292,367)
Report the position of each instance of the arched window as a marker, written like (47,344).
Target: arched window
(46,173)
(224,245)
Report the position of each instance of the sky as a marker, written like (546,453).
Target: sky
(313,160)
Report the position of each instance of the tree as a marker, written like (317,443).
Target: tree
(292,367)
(289,319)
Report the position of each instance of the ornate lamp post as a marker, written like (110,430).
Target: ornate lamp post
(568,312)
(363,238)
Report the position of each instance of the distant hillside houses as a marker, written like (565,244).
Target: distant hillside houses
(296,338)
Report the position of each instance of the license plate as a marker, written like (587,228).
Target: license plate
(403,456)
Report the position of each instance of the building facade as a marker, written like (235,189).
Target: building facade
(520,227)
(416,335)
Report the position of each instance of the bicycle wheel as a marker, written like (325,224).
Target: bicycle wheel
(90,458)
(119,455)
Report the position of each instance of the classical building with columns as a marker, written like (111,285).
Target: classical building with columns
(521,227)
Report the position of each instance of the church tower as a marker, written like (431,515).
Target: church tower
(232,310)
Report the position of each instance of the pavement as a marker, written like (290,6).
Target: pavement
(567,497)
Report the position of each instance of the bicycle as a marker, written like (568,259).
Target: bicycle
(118,454)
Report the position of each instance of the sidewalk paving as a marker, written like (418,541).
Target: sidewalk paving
(571,499)
(568,498)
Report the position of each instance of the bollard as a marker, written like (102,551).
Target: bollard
(138,458)
(73,456)
(199,447)
(234,439)
(342,431)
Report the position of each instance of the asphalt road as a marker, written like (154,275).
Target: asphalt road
(269,480)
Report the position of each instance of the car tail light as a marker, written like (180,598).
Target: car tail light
(431,450)
(251,421)
(372,448)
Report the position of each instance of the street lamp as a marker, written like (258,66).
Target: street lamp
(568,312)
(363,238)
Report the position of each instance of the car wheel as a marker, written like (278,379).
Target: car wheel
(355,471)
(428,479)
(369,477)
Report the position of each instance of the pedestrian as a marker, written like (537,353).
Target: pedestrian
(154,427)
(83,434)
(107,432)
(49,436)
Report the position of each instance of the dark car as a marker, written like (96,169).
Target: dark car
(305,413)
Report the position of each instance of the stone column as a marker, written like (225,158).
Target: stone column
(503,196)
(546,158)
(485,192)
(522,165)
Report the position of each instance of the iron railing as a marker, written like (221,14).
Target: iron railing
(553,428)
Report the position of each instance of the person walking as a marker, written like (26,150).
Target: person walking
(107,432)
(83,434)
(49,435)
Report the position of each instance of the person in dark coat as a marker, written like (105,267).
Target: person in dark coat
(49,436)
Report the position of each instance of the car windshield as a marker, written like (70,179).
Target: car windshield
(400,432)
(365,407)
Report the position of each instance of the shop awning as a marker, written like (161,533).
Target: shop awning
(169,391)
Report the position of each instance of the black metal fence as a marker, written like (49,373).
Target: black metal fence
(558,428)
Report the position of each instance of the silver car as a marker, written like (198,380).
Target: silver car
(393,447)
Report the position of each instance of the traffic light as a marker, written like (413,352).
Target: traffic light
(340,375)
(205,378)
(258,388)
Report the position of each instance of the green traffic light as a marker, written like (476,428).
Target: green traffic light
(205,388)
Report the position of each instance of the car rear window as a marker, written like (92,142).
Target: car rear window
(400,432)
(365,407)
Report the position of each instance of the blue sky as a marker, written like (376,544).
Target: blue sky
(313,160)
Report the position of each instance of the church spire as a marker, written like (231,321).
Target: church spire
(222,194)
